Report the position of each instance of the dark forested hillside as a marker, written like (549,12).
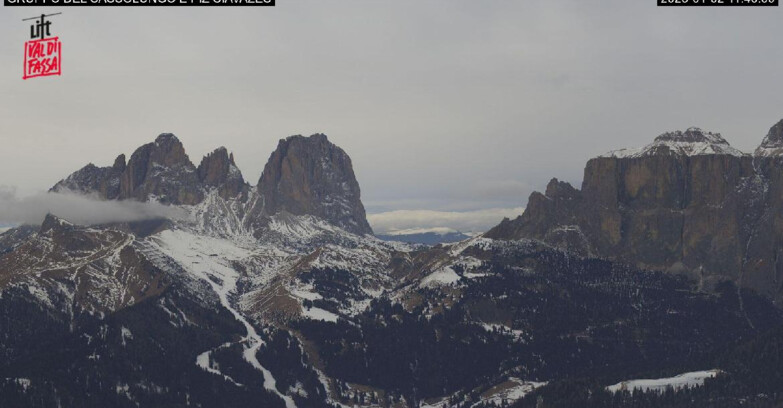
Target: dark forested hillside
(541,315)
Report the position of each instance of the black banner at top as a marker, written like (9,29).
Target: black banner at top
(137,3)
(717,3)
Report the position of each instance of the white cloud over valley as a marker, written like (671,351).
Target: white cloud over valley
(465,221)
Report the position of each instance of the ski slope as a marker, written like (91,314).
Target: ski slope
(209,259)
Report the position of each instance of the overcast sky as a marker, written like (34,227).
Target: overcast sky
(442,105)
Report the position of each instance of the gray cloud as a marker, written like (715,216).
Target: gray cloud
(79,209)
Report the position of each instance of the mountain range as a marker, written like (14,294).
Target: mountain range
(277,293)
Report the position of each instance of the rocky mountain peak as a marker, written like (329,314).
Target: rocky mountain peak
(168,151)
(217,169)
(119,163)
(310,175)
(52,222)
(772,145)
(91,179)
(557,188)
(161,170)
(692,135)
(167,139)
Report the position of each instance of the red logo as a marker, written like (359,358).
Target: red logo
(42,57)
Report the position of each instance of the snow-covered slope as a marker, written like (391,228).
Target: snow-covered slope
(210,259)
(277,254)
(685,380)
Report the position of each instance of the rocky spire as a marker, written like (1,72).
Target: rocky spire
(119,164)
(310,175)
(217,169)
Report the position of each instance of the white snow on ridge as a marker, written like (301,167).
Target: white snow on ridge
(686,380)
(678,148)
(692,142)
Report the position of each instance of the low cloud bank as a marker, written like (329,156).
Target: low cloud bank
(77,208)
(465,221)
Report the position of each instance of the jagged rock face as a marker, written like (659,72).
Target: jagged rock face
(218,170)
(161,170)
(551,217)
(310,175)
(103,181)
(688,202)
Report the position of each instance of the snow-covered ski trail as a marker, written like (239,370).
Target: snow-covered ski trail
(209,259)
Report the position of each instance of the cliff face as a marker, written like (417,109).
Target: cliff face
(310,175)
(687,203)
